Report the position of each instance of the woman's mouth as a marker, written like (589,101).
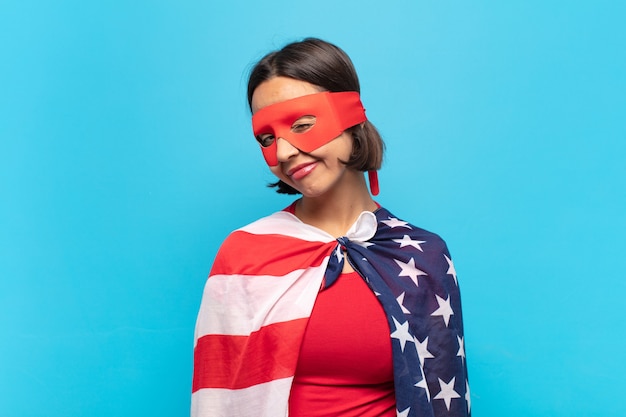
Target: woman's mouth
(301,171)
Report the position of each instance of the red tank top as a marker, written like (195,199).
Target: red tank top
(345,366)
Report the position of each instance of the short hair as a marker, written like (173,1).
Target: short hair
(327,66)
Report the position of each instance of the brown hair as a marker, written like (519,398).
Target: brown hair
(325,65)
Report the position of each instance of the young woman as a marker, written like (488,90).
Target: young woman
(332,306)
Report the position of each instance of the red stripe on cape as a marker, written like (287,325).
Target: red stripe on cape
(234,362)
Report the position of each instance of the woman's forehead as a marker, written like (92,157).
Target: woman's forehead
(279,89)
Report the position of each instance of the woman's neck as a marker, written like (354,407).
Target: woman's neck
(336,210)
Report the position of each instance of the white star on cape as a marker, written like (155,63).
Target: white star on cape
(422,350)
(393,222)
(400,301)
(444,309)
(404,413)
(467,397)
(422,384)
(339,254)
(451,270)
(461,351)
(407,241)
(447,392)
(364,244)
(409,270)
(401,333)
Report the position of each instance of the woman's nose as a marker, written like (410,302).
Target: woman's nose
(285,150)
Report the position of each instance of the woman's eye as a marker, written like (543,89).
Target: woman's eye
(265,140)
(303,124)
(301,127)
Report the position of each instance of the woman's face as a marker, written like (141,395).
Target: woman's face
(313,173)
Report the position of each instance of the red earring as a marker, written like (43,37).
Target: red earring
(373,179)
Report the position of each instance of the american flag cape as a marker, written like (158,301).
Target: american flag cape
(261,291)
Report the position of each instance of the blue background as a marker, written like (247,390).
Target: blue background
(126,157)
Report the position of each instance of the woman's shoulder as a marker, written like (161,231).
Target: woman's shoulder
(247,242)
(268,225)
(390,223)
(413,247)
(270,241)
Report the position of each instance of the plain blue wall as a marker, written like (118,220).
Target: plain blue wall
(126,157)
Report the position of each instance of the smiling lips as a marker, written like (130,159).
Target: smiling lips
(301,171)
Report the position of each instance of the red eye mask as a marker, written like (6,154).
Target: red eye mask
(333,112)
